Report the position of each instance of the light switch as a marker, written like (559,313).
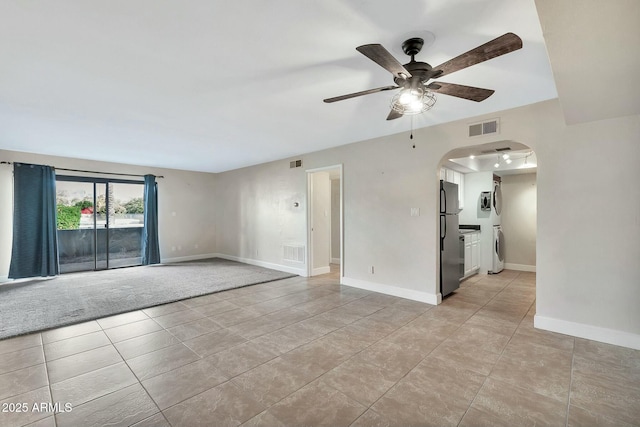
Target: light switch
(415,211)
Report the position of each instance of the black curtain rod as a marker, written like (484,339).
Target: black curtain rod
(83,171)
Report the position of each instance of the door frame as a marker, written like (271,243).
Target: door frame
(309,254)
(95,181)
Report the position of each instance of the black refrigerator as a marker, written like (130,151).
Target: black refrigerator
(450,261)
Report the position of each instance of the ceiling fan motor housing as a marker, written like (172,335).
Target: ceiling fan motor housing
(421,72)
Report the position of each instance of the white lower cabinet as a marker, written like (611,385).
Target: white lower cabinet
(471,253)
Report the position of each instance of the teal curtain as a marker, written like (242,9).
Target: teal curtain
(35,243)
(150,246)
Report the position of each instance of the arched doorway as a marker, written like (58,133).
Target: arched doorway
(496,218)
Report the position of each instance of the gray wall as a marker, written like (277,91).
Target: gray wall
(519,216)
(335,220)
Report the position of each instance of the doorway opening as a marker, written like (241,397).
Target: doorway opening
(325,249)
(497,208)
(100,223)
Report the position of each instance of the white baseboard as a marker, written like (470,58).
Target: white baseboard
(335,260)
(581,330)
(4,279)
(393,290)
(187,258)
(300,271)
(520,267)
(321,270)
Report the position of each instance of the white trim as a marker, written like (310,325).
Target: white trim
(309,268)
(187,258)
(520,267)
(393,290)
(335,261)
(279,267)
(4,279)
(321,270)
(582,330)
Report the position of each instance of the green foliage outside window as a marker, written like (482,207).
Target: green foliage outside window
(68,217)
(135,206)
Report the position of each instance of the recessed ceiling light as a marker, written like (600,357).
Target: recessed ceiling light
(472,157)
(497,165)
(509,161)
(505,156)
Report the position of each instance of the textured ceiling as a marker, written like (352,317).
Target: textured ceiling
(217,85)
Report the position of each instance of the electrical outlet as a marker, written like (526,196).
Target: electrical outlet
(415,211)
(371,270)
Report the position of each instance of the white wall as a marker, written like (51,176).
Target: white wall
(185,205)
(519,216)
(474,184)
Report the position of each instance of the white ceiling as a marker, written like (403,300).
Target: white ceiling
(593,46)
(217,85)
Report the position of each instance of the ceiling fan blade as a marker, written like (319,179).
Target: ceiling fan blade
(393,114)
(504,44)
(381,56)
(364,92)
(461,91)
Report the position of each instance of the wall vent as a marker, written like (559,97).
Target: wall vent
(484,128)
(294,253)
(295,164)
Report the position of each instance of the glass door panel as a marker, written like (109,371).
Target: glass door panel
(76,236)
(126,221)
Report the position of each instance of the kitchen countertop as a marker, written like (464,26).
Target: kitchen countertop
(466,231)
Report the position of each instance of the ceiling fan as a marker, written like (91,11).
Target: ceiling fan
(416,94)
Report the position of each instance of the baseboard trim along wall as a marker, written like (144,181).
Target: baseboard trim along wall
(300,271)
(581,330)
(520,267)
(391,290)
(188,258)
(4,279)
(321,270)
(335,260)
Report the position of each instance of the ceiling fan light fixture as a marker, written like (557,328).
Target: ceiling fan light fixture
(411,101)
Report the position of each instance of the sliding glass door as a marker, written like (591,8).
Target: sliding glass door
(100,223)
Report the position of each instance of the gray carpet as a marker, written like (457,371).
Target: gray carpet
(73,298)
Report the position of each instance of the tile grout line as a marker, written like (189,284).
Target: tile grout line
(432,350)
(135,376)
(573,357)
(46,370)
(500,355)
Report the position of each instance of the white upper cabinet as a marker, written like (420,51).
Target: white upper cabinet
(450,175)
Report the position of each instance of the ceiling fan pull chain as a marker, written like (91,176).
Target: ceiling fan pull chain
(411,136)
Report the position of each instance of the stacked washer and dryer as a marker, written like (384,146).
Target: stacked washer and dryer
(498,237)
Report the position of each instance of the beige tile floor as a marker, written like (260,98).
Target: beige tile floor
(306,352)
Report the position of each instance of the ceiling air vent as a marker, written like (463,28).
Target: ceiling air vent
(295,164)
(484,128)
